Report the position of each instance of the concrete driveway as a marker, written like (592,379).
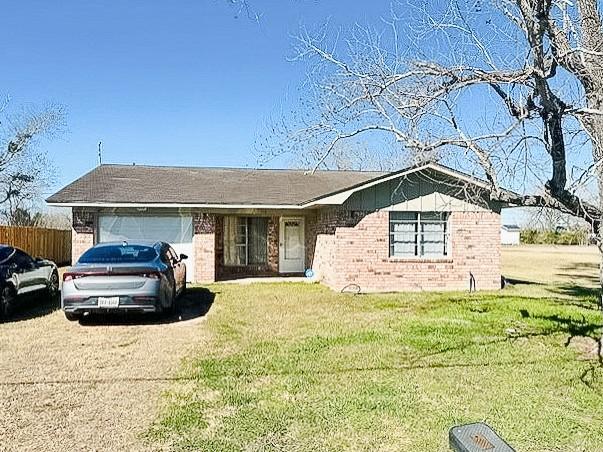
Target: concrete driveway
(90,386)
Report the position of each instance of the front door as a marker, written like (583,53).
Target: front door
(291,245)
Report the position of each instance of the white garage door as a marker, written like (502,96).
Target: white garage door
(175,230)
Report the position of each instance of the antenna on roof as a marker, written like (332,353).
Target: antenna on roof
(100,153)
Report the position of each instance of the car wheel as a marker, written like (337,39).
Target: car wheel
(53,286)
(72,317)
(7,301)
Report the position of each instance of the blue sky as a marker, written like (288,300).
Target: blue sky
(159,82)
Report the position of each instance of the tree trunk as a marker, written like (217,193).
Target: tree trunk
(594,126)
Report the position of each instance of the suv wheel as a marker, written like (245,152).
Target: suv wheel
(7,301)
(172,309)
(53,286)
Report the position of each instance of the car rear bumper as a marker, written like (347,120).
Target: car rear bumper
(126,303)
(95,309)
(144,298)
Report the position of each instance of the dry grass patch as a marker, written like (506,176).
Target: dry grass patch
(96,386)
(552,264)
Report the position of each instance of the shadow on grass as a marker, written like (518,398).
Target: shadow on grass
(580,328)
(591,377)
(586,272)
(576,290)
(193,304)
(514,281)
(581,296)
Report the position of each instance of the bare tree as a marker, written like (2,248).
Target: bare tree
(23,217)
(24,169)
(60,219)
(546,219)
(244,8)
(57,218)
(509,90)
(358,156)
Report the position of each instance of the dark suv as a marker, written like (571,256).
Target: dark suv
(20,274)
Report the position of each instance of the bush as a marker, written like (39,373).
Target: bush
(569,237)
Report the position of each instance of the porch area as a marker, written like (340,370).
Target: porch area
(260,247)
(243,280)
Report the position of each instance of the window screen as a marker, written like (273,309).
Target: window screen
(423,234)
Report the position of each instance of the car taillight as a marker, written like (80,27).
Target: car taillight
(70,276)
(141,299)
(151,275)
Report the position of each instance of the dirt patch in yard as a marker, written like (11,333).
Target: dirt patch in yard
(93,385)
(587,347)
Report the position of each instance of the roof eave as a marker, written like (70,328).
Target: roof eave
(172,205)
(337,197)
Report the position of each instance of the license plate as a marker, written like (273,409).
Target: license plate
(108,302)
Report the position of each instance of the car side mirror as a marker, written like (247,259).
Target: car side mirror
(183,257)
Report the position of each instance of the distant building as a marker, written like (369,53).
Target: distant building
(509,234)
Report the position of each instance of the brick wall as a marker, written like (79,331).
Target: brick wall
(273,240)
(349,247)
(204,243)
(310,239)
(82,232)
(353,248)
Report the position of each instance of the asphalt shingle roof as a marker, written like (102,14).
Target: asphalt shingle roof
(193,185)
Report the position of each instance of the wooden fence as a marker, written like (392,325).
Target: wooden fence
(53,244)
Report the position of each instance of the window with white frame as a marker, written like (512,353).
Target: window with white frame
(245,241)
(418,234)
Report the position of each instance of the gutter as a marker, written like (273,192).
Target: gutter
(176,205)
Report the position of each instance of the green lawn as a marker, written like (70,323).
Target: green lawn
(298,367)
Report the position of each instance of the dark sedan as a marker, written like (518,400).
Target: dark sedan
(124,276)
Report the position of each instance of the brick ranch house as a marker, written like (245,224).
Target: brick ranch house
(426,227)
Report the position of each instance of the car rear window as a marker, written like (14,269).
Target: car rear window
(118,254)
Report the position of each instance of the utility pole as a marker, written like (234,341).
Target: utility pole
(100,153)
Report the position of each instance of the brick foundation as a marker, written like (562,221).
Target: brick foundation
(353,248)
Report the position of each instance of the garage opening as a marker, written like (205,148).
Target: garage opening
(175,230)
